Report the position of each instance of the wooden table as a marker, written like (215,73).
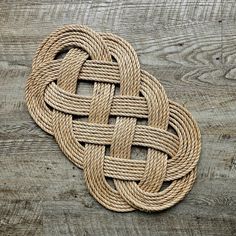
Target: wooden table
(190,46)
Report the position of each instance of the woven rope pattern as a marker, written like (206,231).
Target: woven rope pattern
(109,61)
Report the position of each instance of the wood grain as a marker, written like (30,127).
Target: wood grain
(190,47)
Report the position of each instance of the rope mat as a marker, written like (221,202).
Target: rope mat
(109,61)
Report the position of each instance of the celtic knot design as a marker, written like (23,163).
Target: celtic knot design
(109,61)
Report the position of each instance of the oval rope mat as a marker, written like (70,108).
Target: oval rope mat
(109,61)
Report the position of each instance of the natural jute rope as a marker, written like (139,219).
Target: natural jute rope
(109,61)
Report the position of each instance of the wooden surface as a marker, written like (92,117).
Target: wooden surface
(190,46)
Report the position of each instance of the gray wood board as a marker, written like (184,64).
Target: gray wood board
(189,46)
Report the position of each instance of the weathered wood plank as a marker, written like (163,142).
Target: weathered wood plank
(172,46)
(116,13)
(178,44)
(189,46)
(21,218)
(228,47)
(70,218)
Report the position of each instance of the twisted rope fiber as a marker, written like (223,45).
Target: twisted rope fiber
(109,61)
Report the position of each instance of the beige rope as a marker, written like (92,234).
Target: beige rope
(108,61)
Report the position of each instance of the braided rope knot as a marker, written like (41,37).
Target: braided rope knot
(109,61)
